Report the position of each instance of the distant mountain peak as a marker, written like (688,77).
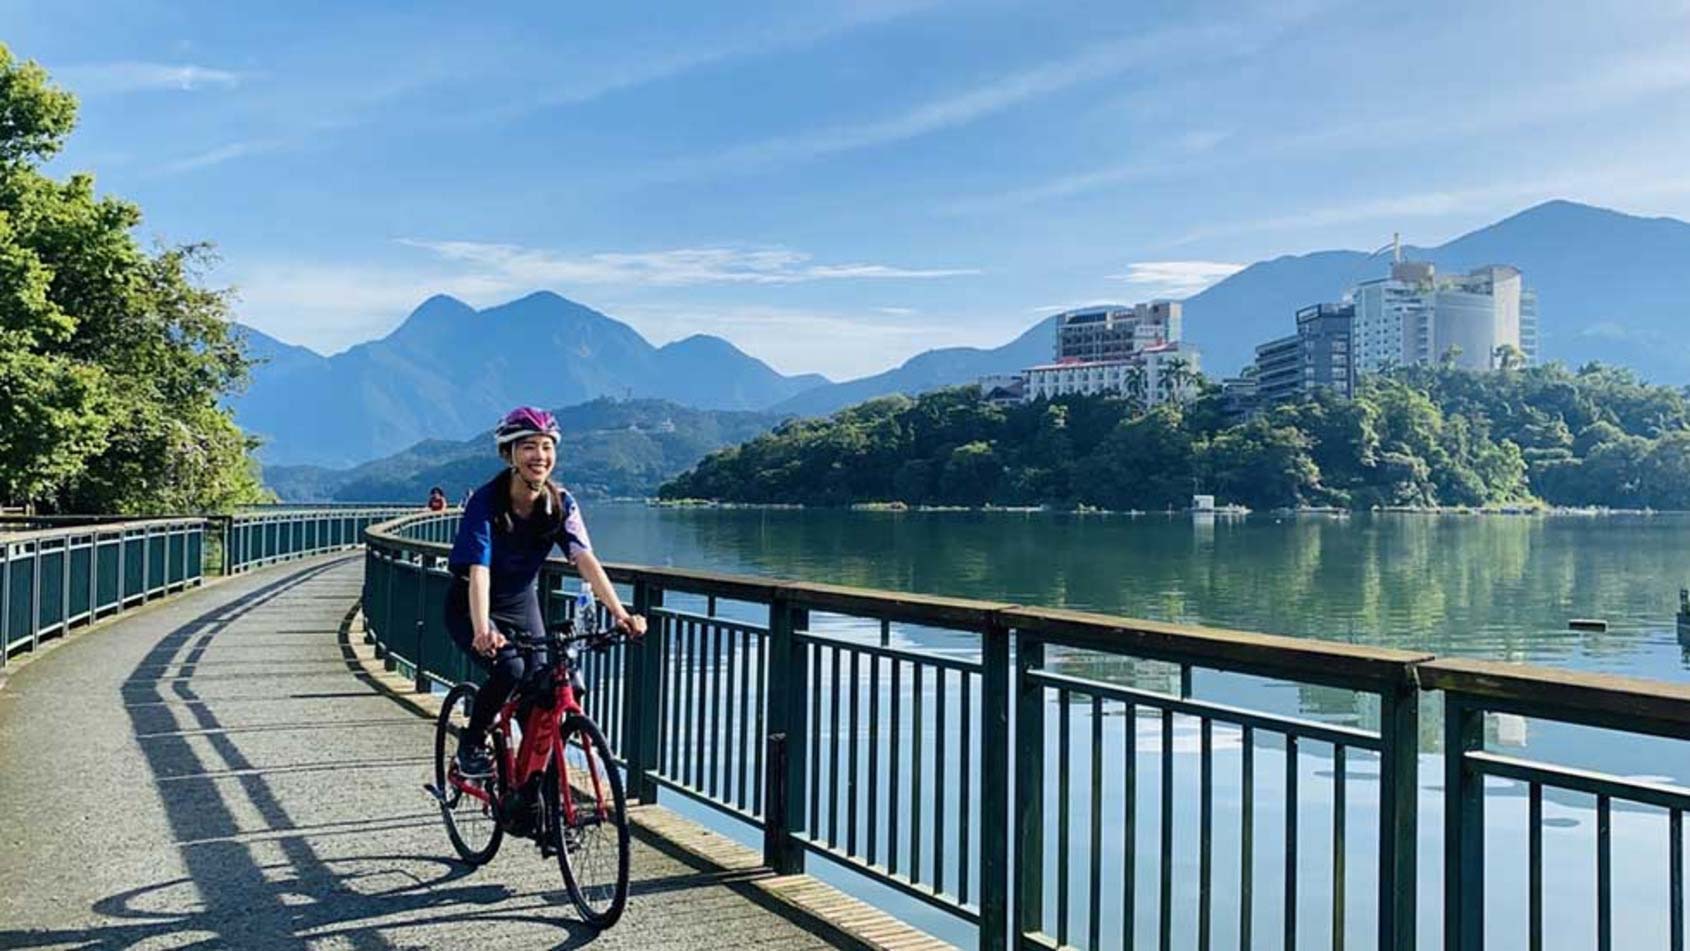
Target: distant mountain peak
(1591,267)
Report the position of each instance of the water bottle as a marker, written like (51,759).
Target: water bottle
(586,611)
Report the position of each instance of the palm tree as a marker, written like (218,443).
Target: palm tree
(1135,386)
(1180,376)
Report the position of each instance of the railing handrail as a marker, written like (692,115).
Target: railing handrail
(104,527)
(1637,703)
(339,512)
(1310,658)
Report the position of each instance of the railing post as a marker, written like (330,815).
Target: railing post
(5,603)
(35,600)
(93,575)
(783,783)
(994,787)
(122,568)
(419,679)
(1399,792)
(1464,828)
(642,707)
(64,588)
(1029,769)
(387,661)
(373,578)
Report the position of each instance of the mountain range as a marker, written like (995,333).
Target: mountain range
(609,448)
(1611,287)
(450,370)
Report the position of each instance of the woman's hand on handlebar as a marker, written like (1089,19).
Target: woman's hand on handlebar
(488,642)
(632,625)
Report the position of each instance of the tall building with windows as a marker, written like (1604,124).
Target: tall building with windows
(1317,356)
(1325,345)
(1134,352)
(1116,333)
(1416,316)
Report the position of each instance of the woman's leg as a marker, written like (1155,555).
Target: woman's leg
(504,669)
(519,619)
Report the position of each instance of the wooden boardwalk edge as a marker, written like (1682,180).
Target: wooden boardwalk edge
(816,905)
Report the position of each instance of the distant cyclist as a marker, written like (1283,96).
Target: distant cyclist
(509,527)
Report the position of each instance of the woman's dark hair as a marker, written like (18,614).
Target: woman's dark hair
(437,490)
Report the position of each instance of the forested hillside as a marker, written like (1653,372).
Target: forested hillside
(1422,436)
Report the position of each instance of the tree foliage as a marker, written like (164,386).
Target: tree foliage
(112,358)
(1415,436)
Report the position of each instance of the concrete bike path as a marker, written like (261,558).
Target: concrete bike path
(211,773)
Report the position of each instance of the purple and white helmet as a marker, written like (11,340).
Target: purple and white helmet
(522,422)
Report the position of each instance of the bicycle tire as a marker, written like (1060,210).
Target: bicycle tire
(600,903)
(460,811)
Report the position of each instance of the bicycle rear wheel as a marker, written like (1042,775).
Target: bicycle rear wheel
(591,835)
(471,823)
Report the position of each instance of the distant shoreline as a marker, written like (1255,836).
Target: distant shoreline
(1512,511)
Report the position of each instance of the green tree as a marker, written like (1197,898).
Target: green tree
(971,475)
(1261,465)
(113,360)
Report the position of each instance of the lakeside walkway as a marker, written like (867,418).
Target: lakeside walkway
(217,771)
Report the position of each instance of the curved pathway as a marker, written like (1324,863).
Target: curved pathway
(213,772)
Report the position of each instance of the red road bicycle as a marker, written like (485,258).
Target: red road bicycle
(558,786)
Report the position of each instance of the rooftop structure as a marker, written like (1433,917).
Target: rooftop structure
(1415,316)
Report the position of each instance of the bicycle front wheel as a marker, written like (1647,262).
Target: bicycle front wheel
(588,815)
(472,823)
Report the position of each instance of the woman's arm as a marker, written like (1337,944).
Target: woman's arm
(487,637)
(593,573)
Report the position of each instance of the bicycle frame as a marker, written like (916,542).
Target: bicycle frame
(542,740)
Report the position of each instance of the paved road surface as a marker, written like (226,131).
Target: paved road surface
(211,773)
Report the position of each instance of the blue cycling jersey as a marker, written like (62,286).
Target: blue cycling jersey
(510,547)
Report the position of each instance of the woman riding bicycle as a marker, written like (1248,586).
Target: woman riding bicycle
(509,527)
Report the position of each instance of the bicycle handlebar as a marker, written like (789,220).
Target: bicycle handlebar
(562,635)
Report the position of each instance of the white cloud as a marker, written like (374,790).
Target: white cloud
(631,69)
(1606,84)
(1046,310)
(1099,62)
(216,156)
(530,267)
(838,343)
(96,79)
(330,307)
(1613,184)
(1176,279)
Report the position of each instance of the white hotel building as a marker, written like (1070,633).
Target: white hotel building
(1116,350)
(1414,316)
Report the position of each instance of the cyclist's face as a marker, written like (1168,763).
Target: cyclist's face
(534,457)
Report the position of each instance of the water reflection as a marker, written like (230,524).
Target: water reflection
(1501,588)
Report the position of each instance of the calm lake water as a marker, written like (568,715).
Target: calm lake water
(1499,587)
(1494,587)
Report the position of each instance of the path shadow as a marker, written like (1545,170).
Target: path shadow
(229,898)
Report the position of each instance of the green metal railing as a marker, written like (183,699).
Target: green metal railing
(901,764)
(1023,779)
(52,580)
(1473,689)
(264,535)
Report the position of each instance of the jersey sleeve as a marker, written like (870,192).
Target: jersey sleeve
(574,538)
(474,544)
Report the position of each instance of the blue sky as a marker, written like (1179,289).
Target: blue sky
(837,186)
